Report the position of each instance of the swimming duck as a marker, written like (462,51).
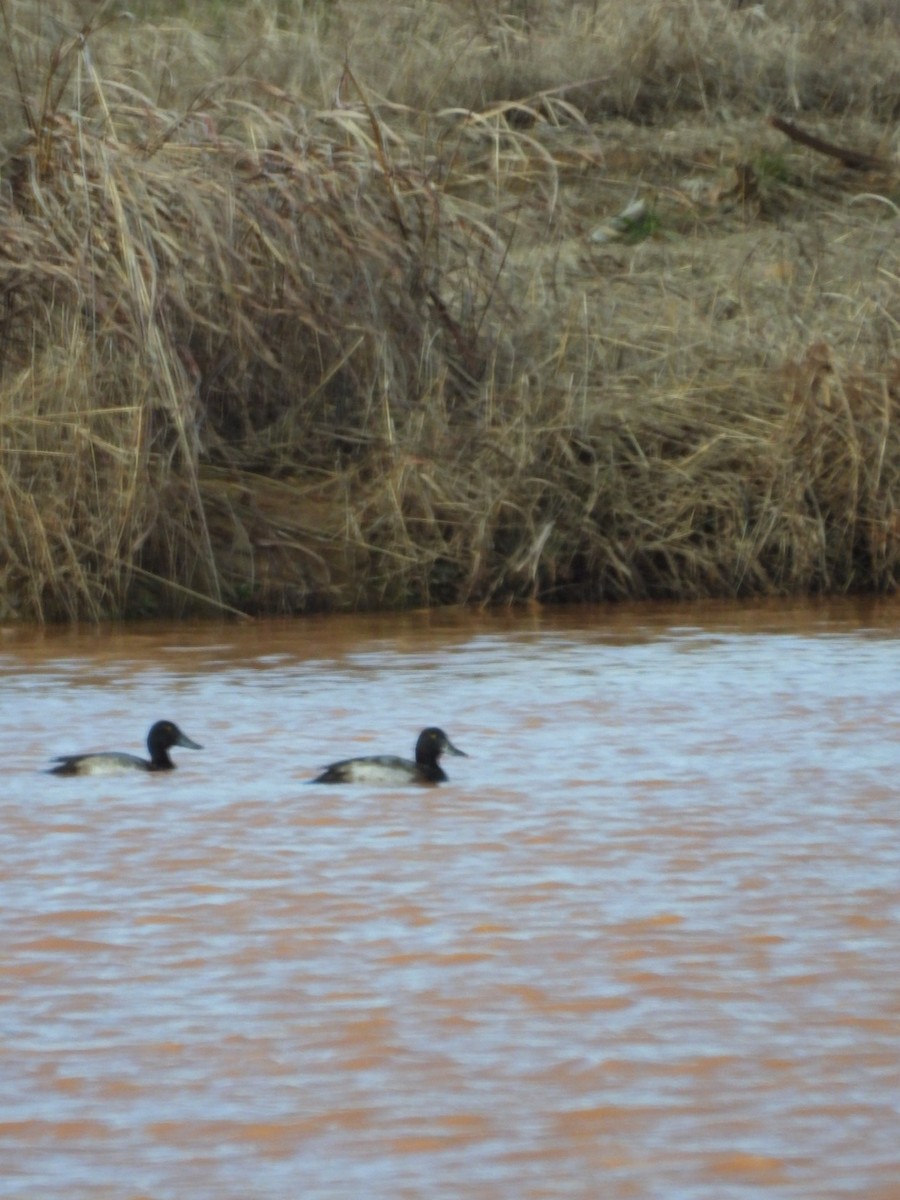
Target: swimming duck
(388,768)
(161,738)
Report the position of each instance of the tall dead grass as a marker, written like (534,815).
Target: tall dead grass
(325,320)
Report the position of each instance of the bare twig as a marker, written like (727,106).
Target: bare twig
(856,159)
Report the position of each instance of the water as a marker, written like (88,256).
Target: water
(643,944)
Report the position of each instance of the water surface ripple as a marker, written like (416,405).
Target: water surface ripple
(643,944)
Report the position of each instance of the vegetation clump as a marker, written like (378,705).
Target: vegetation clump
(451,304)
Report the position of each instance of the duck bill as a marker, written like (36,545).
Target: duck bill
(451,749)
(184,740)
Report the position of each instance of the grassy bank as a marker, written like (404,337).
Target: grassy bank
(324,305)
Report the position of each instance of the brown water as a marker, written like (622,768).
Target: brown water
(644,944)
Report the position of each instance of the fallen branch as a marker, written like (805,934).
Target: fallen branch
(849,157)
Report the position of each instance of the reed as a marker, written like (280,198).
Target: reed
(316,306)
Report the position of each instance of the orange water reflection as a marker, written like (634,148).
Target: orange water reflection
(641,945)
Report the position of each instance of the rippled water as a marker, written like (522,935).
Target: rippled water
(643,945)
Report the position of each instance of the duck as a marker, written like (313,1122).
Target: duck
(161,738)
(389,768)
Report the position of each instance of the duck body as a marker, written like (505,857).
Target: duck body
(391,769)
(160,740)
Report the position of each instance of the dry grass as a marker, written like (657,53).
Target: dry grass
(330,312)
